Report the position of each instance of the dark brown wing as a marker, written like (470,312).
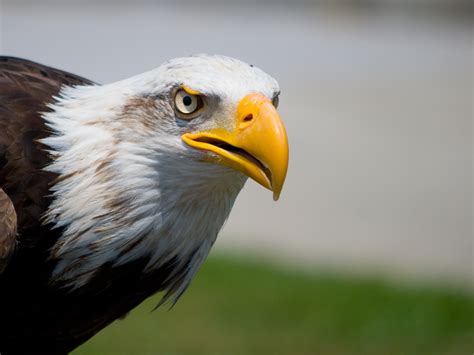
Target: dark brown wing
(27,308)
(7,229)
(25,90)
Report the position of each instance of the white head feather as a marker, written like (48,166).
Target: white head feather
(128,186)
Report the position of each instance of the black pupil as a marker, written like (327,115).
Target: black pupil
(187,100)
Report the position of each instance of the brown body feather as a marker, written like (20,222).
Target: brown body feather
(35,315)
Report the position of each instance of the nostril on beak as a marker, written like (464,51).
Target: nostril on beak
(248,118)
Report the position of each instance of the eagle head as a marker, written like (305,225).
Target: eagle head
(223,110)
(149,167)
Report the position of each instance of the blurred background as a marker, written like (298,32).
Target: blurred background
(369,250)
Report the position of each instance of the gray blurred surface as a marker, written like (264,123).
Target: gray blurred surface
(378,107)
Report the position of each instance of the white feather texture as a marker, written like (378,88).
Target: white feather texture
(128,188)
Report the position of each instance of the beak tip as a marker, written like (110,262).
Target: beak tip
(276,195)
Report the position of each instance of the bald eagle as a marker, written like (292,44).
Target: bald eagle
(111,193)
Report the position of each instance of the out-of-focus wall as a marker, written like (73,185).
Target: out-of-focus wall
(377,103)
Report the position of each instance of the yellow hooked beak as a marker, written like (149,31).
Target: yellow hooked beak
(257,146)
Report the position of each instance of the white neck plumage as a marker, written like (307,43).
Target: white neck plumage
(125,193)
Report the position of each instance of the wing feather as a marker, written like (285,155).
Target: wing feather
(26,88)
(8,227)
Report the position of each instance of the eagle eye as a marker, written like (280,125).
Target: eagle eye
(186,104)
